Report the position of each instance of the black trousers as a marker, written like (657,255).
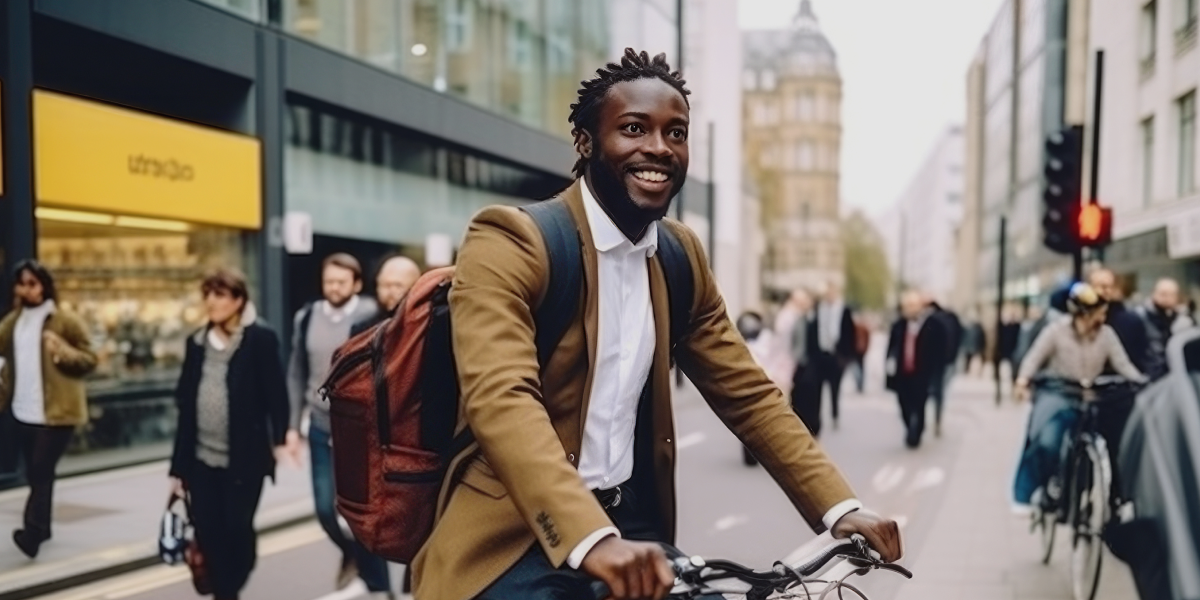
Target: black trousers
(534,578)
(829,372)
(912,394)
(806,398)
(223,516)
(42,448)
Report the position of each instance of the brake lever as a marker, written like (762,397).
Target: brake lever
(895,569)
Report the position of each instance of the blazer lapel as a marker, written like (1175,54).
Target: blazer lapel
(591,291)
(660,371)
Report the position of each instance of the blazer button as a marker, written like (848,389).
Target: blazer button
(668,440)
(571,457)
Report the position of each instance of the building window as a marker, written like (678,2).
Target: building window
(1149,37)
(1147,161)
(458,26)
(1187,144)
(749,80)
(805,155)
(806,107)
(1185,33)
(767,79)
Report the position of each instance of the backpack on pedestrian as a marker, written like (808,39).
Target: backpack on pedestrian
(862,337)
(394,396)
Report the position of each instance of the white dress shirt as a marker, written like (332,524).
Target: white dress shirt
(829,324)
(29,399)
(624,355)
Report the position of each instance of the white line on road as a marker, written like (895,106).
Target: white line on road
(927,478)
(729,522)
(888,478)
(691,439)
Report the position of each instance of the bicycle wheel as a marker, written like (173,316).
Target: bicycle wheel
(1045,523)
(1092,483)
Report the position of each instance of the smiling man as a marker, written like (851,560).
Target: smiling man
(573,477)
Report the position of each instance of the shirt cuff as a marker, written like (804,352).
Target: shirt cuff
(840,510)
(575,558)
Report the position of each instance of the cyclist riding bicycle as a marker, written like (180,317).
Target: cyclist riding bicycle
(1075,349)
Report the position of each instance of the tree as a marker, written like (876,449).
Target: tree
(868,277)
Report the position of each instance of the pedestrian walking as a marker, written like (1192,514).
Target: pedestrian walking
(805,393)
(831,342)
(232,428)
(1130,329)
(1163,315)
(396,275)
(320,328)
(862,344)
(44,356)
(572,480)
(952,328)
(916,357)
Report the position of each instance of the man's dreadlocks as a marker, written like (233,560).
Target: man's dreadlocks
(634,66)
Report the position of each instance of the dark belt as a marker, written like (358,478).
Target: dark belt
(610,498)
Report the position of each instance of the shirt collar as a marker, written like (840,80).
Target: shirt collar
(605,234)
(340,313)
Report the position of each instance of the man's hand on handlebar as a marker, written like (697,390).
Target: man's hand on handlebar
(883,535)
(631,570)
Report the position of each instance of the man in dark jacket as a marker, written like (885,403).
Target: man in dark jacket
(831,347)
(1163,318)
(916,357)
(1129,328)
(952,330)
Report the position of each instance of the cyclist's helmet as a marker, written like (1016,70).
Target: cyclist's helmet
(1083,299)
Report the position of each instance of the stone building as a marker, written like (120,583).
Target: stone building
(792,96)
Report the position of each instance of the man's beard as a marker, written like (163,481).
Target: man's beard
(27,303)
(614,194)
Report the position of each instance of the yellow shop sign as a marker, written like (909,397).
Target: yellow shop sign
(100,157)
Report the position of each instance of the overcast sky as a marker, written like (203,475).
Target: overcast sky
(904,69)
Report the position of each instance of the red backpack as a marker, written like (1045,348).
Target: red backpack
(393,390)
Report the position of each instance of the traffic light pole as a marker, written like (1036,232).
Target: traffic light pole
(996,358)
(1093,193)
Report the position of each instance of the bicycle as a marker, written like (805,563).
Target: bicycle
(1085,472)
(817,578)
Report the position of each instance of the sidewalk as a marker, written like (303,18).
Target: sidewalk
(977,549)
(107,523)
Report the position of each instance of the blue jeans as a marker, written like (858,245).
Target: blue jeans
(1052,418)
(372,569)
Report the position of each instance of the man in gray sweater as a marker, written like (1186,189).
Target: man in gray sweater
(320,328)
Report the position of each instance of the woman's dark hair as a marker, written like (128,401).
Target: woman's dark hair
(39,272)
(226,279)
(634,66)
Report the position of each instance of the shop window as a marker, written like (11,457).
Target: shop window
(135,282)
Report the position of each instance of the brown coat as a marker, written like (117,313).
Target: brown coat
(62,374)
(523,488)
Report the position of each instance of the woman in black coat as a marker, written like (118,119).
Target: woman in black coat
(233,421)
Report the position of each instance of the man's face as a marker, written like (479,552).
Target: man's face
(1166,295)
(911,305)
(639,156)
(394,281)
(801,300)
(338,285)
(1105,284)
(29,290)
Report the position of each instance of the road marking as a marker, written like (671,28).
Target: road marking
(160,576)
(927,478)
(691,439)
(729,522)
(888,478)
(357,589)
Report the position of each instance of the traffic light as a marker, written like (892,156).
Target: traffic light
(1095,225)
(1061,190)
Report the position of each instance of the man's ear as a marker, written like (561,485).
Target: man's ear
(583,143)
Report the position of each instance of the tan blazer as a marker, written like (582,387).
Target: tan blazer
(62,373)
(519,486)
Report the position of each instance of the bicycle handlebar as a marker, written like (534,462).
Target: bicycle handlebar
(687,570)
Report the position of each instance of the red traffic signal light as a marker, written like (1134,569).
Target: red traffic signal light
(1094,225)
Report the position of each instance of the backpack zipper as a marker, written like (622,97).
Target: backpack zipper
(351,361)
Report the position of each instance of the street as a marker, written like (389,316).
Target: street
(728,510)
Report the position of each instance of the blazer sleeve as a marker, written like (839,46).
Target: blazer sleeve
(77,359)
(716,359)
(500,275)
(274,384)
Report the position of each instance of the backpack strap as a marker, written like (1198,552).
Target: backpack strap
(564,281)
(681,281)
